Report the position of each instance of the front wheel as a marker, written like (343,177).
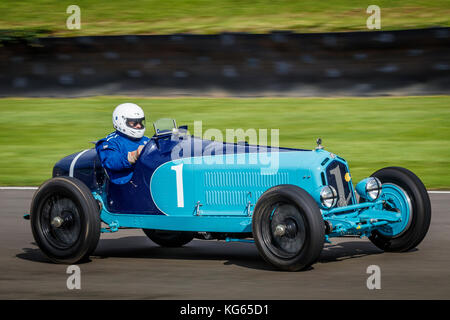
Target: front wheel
(404,192)
(288,228)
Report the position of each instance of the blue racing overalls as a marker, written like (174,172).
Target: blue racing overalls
(113,152)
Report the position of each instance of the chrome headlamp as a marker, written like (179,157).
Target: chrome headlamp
(328,197)
(369,188)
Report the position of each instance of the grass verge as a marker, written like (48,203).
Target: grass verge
(114,17)
(370,133)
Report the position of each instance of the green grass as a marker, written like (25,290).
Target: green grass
(114,17)
(370,133)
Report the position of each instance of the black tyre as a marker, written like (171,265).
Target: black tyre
(408,234)
(288,228)
(65,220)
(171,239)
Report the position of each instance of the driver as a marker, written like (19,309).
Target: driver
(120,150)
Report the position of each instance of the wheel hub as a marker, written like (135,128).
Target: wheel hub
(60,222)
(397,200)
(288,229)
(57,222)
(291,229)
(280,230)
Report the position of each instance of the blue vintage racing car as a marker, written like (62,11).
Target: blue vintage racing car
(289,202)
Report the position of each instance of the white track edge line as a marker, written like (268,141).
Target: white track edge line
(18,188)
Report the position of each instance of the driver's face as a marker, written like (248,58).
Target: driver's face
(135,124)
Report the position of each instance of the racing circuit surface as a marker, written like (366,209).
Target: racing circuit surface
(127,265)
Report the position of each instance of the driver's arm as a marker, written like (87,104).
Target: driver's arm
(112,158)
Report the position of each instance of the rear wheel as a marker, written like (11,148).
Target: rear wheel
(169,238)
(65,220)
(288,228)
(405,193)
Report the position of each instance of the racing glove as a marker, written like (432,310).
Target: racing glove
(134,155)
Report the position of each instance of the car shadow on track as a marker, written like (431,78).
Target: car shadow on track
(142,247)
(345,250)
(236,253)
(34,255)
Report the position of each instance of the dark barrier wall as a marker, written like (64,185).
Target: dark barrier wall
(411,62)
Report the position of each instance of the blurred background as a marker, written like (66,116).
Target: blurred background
(377,97)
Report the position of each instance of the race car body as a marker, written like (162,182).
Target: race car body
(288,201)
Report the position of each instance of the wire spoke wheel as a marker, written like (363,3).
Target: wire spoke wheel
(286,233)
(60,221)
(288,228)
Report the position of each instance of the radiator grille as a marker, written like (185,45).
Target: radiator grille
(336,178)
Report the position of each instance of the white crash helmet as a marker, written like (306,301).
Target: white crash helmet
(127,114)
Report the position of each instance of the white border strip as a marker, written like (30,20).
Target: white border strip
(18,188)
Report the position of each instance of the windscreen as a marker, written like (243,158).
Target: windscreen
(163,126)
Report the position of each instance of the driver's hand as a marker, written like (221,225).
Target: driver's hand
(139,150)
(134,155)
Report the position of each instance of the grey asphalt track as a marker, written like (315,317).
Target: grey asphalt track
(126,265)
